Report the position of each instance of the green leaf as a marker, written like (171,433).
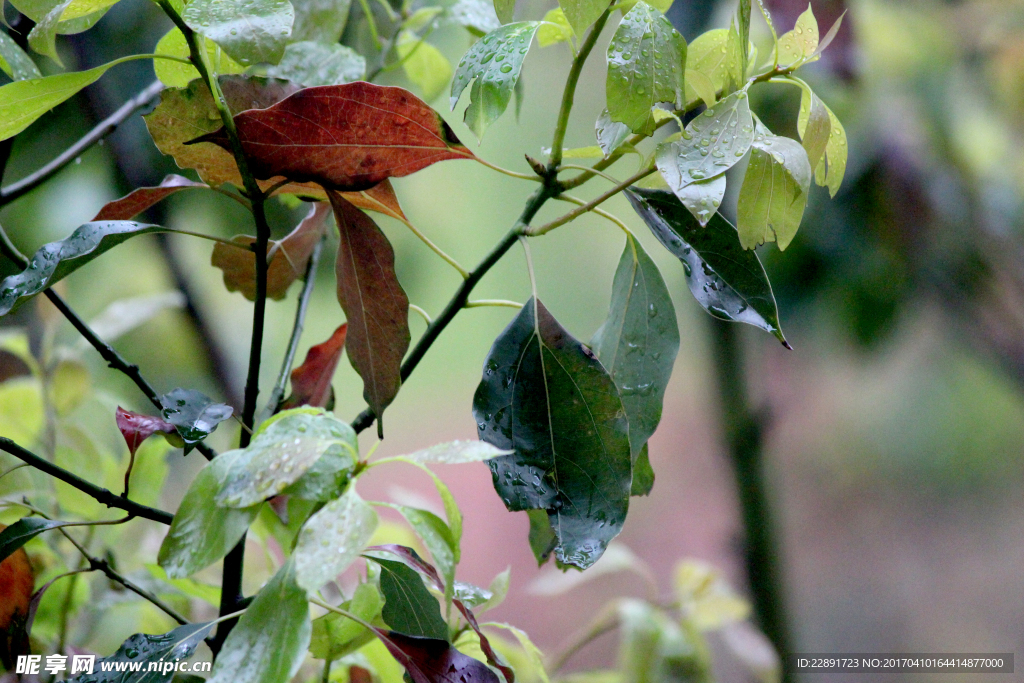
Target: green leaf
(726,280)
(643,474)
(42,37)
(532,651)
(836,148)
(422,18)
(438,540)
(542,536)
(710,145)
(269,642)
(504,9)
(36,10)
(326,479)
(202,532)
(178,75)
(21,532)
(492,65)
(743,34)
(335,636)
(451,508)
(310,64)
(193,414)
(322,21)
(554,29)
(14,62)
(638,341)
(703,198)
(424,65)
(610,134)
(774,191)
(498,588)
(662,6)
(476,15)
(645,67)
(281,452)
(801,42)
(332,539)
(254,32)
(703,86)
(471,596)
(715,54)
(456,453)
(545,396)
(190,587)
(581,14)
(409,607)
(653,647)
(816,126)
(56,260)
(142,648)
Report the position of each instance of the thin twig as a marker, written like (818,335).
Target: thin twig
(492,302)
(512,174)
(423,314)
(576,213)
(600,212)
(436,249)
(613,180)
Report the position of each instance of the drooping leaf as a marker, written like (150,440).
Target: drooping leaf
(638,342)
(17,602)
(581,14)
(177,75)
(816,128)
(715,55)
(363,134)
(79,13)
(56,260)
(456,452)
(269,642)
(492,65)
(646,59)
(375,305)
(281,452)
(554,29)
(711,144)
(21,532)
(477,16)
(332,539)
(546,397)
(830,175)
(140,199)
(136,428)
(726,280)
(202,532)
(287,264)
(254,32)
(504,9)
(434,660)
(703,197)
(14,62)
(311,381)
(312,63)
(335,636)
(774,191)
(424,65)
(408,605)
(173,646)
(193,414)
(322,21)
(643,474)
(610,134)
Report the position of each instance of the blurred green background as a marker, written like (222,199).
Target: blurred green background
(896,426)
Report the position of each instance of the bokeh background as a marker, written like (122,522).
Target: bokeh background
(894,430)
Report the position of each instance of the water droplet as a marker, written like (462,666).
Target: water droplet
(652,310)
(506,68)
(709,112)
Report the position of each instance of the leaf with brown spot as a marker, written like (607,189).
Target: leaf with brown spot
(287,261)
(136,427)
(345,137)
(16,582)
(374,303)
(311,381)
(140,199)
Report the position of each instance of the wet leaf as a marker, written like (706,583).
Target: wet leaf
(715,55)
(456,452)
(56,260)
(139,200)
(437,539)
(801,42)
(816,128)
(325,479)
(703,198)
(610,134)
(173,646)
(253,32)
(829,36)
(711,144)
(581,14)
(375,305)
(21,532)
(136,428)
(643,474)
(322,21)
(726,280)
(836,149)
(645,67)
(702,86)
(332,539)
(470,595)
(638,342)
(335,636)
(312,63)
(14,62)
(178,75)
(42,37)
(193,414)
(202,532)
(774,192)
(554,29)
(408,605)
(287,262)
(546,397)
(492,65)
(434,660)
(424,65)
(476,15)
(269,642)
(363,134)
(311,381)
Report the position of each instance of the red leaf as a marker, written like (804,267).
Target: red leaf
(430,660)
(16,582)
(344,137)
(287,263)
(136,428)
(139,200)
(374,303)
(311,381)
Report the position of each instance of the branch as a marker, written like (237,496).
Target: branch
(100,495)
(576,213)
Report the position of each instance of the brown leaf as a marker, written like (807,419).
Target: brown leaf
(139,200)
(374,303)
(345,137)
(16,582)
(287,262)
(311,381)
(136,428)
(430,660)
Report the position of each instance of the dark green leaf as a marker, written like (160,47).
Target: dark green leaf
(310,64)
(643,474)
(253,32)
(193,414)
(492,65)
(335,636)
(332,539)
(269,642)
(542,537)
(504,9)
(21,532)
(638,342)
(322,21)
(56,260)
(408,605)
(14,62)
(646,62)
(545,396)
(437,539)
(610,134)
(434,660)
(582,13)
(774,192)
(174,646)
(726,280)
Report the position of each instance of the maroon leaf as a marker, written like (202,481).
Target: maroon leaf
(287,262)
(16,609)
(357,674)
(374,303)
(431,660)
(139,200)
(136,428)
(344,137)
(311,381)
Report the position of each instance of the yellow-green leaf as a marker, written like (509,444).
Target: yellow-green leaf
(424,65)
(178,75)
(801,42)
(554,29)
(22,102)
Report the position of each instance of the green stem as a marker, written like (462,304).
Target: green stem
(589,206)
